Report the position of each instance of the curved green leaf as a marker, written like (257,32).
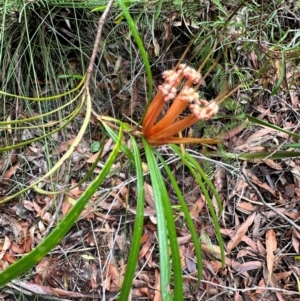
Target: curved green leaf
(159,194)
(138,226)
(36,255)
(140,46)
(189,221)
(195,168)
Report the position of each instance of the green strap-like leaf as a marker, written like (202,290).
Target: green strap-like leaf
(31,259)
(195,168)
(138,226)
(159,194)
(189,221)
(140,45)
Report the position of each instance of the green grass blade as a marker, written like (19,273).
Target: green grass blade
(195,168)
(140,45)
(281,75)
(36,255)
(157,183)
(273,155)
(138,226)
(272,126)
(114,137)
(260,122)
(176,260)
(189,221)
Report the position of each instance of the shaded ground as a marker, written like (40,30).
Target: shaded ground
(261,245)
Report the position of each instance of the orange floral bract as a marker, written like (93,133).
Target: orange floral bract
(166,130)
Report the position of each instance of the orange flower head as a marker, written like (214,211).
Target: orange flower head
(167,129)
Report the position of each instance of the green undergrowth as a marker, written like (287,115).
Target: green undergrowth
(45,50)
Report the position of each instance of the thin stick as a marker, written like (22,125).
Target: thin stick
(96,44)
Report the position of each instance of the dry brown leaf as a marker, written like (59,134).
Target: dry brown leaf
(279,296)
(9,173)
(236,238)
(294,98)
(246,266)
(147,211)
(9,258)
(93,158)
(144,250)
(16,248)
(245,239)
(50,291)
(214,266)
(256,181)
(253,58)
(246,206)
(142,292)
(251,243)
(184,239)
(8,120)
(269,277)
(293,215)
(252,296)
(233,132)
(10,159)
(272,164)
(246,252)
(149,195)
(257,226)
(220,178)
(5,246)
(271,245)
(261,285)
(261,249)
(182,252)
(296,240)
(13,223)
(157,294)
(190,262)
(116,277)
(62,147)
(197,208)
(257,135)
(283,275)
(237,297)
(145,237)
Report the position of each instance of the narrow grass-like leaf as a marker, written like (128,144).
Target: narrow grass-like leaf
(157,182)
(140,45)
(53,97)
(273,155)
(194,167)
(114,137)
(30,141)
(272,126)
(260,122)
(176,260)
(189,221)
(87,99)
(138,226)
(281,75)
(36,255)
(41,116)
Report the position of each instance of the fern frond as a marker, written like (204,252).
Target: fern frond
(207,165)
(224,155)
